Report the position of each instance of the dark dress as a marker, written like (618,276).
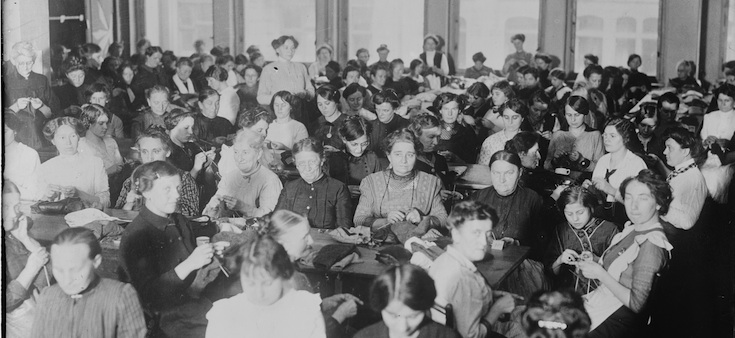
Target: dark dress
(461,141)
(351,170)
(150,249)
(146,78)
(36,85)
(327,132)
(382,130)
(428,329)
(433,164)
(183,158)
(70,96)
(326,202)
(209,129)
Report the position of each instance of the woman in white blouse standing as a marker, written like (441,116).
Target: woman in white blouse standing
(435,61)
(283,74)
(72,174)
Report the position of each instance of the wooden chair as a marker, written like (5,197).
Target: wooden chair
(443,315)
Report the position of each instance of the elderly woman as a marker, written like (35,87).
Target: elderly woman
(72,92)
(282,74)
(181,83)
(354,96)
(326,126)
(27,93)
(356,161)
(251,189)
(457,143)
(435,60)
(95,142)
(386,104)
(425,127)
(72,174)
(258,120)
(404,295)
(578,148)
(324,54)
(148,75)
(400,194)
(24,261)
(580,237)
(477,308)
(284,131)
(620,162)
(627,268)
(685,77)
(325,201)
(514,116)
(158,103)
(21,161)
(155,145)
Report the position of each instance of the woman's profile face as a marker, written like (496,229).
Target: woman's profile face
(401,320)
(556,82)
(11,210)
(530,159)
(380,77)
(261,128)
(210,106)
(100,126)
(287,50)
(385,112)
(163,196)
(184,130)
(612,139)
(577,215)
(505,177)
(8,136)
(281,108)
(326,107)
(402,158)
(635,63)
(66,140)
(498,97)
(512,120)
(127,75)
(471,238)
(296,240)
(355,101)
(541,64)
(76,78)
(398,70)
(357,146)
(640,203)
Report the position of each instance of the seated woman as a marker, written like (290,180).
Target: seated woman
(478,68)
(326,126)
(405,87)
(181,83)
(580,237)
(520,209)
(122,94)
(229,102)
(324,54)
(252,189)
(282,74)
(325,201)
(578,148)
(21,161)
(148,75)
(526,145)
(620,162)
(155,145)
(284,131)
(185,153)
(457,143)
(514,116)
(386,103)
(501,92)
(268,297)
(685,77)
(627,268)
(95,119)
(556,314)
(207,125)
(425,127)
(416,69)
(158,104)
(160,256)
(356,160)
(248,89)
(476,306)
(404,295)
(98,93)
(354,96)
(478,104)
(72,174)
(23,260)
(401,193)
(558,91)
(258,120)
(72,92)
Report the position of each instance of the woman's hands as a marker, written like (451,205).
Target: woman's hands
(344,306)
(569,256)
(37,260)
(591,269)
(414,216)
(396,216)
(201,256)
(131,199)
(600,184)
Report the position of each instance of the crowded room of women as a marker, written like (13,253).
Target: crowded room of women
(373,168)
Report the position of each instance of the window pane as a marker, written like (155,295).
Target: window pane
(397,24)
(266,20)
(731,32)
(484,27)
(614,29)
(188,21)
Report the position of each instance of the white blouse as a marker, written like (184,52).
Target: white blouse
(110,155)
(84,172)
(630,166)
(21,167)
(287,133)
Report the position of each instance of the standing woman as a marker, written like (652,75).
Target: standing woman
(620,162)
(578,148)
(627,268)
(323,56)
(326,126)
(386,104)
(160,255)
(158,105)
(457,143)
(284,131)
(325,201)
(514,116)
(71,174)
(435,60)
(95,119)
(356,161)
(282,74)
(400,193)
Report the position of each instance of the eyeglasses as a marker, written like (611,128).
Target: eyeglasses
(309,164)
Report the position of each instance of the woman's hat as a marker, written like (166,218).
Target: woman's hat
(432,36)
(383,47)
(478,57)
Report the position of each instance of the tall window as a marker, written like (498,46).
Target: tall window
(614,29)
(487,25)
(176,24)
(730,54)
(266,20)
(397,24)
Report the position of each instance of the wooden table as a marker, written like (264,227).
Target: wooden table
(472,176)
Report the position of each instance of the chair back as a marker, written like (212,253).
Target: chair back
(443,315)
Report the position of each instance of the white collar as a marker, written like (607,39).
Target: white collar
(684,164)
(187,88)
